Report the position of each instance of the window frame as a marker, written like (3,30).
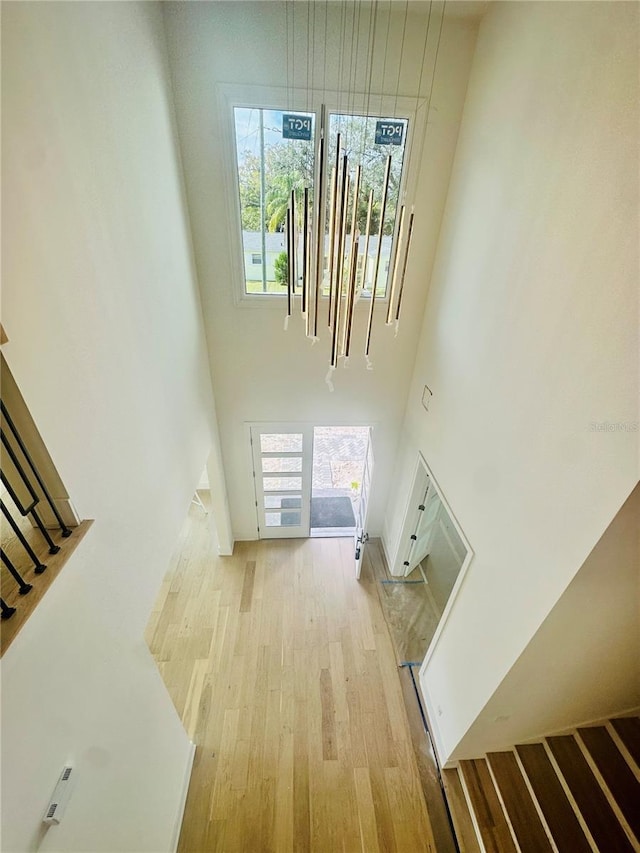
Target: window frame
(301,100)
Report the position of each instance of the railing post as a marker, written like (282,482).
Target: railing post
(66,531)
(23,586)
(18,466)
(53,548)
(38,567)
(7,612)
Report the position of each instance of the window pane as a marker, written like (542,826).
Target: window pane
(282,484)
(269,167)
(279,502)
(282,519)
(275,464)
(358,138)
(281,442)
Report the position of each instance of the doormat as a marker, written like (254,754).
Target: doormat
(332,512)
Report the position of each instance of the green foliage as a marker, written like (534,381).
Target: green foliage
(290,166)
(281,269)
(249,182)
(358,141)
(287,167)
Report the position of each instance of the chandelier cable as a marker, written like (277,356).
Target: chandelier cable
(310,55)
(384,65)
(404,31)
(367,84)
(419,90)
(433,77)
(343,24)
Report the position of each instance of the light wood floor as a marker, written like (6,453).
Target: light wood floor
(412,615)
(281,667)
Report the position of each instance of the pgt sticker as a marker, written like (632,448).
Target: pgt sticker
(296,127)
(389,132)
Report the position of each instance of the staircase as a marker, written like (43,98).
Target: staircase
(571,793)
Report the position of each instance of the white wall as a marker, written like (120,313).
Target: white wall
(531,331)
(106,342)
(260,373)
(583,664)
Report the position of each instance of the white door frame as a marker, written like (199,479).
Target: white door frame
(422,476)
(361,536)
(295,426)
(306,455)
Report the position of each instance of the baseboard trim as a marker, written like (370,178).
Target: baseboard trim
(385,551)
(183,797)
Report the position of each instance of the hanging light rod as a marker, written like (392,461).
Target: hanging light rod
(329,252)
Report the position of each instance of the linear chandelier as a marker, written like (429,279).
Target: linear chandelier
(324,242)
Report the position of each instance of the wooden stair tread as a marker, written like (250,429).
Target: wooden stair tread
(525,820)
(628,730)
(615,771)
(459,808)
(491,820)
(589,796)
(554,803)
(561,819)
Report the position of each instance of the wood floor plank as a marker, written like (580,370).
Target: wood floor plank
(628,730)
(616,773)
(427,768)
(366,810)
(301,810)
(329,746)
(247,586)
(596,811)
(492,823)
(557,810)
(465,830)
(527,826)
(280,664)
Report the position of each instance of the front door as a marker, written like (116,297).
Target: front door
(282,460)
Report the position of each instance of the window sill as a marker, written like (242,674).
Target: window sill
(278,300)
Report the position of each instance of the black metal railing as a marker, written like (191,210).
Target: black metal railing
(27,489)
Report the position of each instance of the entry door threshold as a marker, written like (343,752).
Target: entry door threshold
(333,532)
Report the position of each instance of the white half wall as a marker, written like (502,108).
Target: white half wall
(102,310)
(260,373)
(530,340)
(583,664)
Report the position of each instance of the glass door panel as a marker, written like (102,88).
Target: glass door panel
(282,460)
